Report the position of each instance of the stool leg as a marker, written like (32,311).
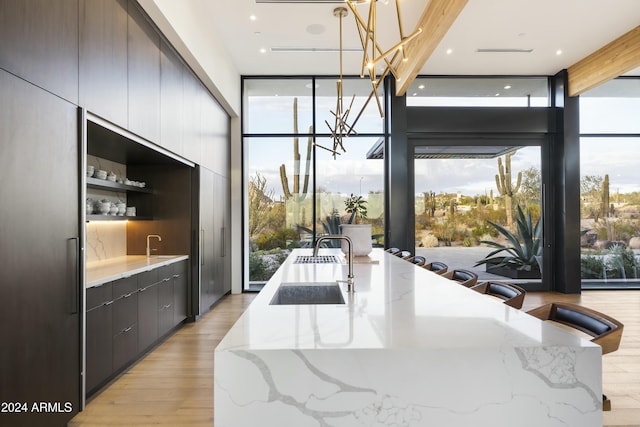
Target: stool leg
(606,403)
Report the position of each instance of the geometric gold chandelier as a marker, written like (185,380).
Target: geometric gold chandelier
(373,54)
(341,128)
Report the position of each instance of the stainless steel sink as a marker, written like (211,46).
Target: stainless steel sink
(293,293)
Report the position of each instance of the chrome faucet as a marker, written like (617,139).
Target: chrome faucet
(350,282)
(149,246)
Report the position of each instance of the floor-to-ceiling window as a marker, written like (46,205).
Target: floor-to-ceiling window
(610,184)
(477,191)
(297,187)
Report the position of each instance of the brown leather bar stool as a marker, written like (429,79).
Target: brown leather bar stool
(604,330)
(437,267)
(464,277)
(511,295)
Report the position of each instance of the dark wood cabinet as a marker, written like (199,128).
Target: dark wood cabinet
(40,43)
(143,75)
(215,141)
(220,217)
(165,300)
(213,238)
(103,71)
(125,321)
(99,336)
(180,279)
(192,134)
(40,356)
(147,309)
(205,267)
(171,99)
(127,317)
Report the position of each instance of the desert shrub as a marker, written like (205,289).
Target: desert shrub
(282,238)
(262,264)
(423,221)
(621,263)
(592,267)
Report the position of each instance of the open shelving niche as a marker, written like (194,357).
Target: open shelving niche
(111,145)
(102,184)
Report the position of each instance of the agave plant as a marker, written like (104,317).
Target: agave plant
(524,248)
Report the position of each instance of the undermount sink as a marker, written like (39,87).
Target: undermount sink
(293,293)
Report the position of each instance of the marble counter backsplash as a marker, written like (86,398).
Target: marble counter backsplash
(106,240)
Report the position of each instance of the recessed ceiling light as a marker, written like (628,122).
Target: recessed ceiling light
(316,29)
(415,94)
(421,87)
(263,50)
(449,51)
(559,52)
(257,33)
(507,87)
(497,94)
(252,17)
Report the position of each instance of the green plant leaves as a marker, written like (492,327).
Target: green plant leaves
(523,247)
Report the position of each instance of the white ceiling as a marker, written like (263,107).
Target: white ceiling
(575,27)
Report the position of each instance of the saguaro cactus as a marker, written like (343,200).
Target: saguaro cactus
(505,186)
(295,194)
(430,202)
(605,197)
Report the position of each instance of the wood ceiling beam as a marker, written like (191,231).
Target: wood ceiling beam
(610,61)
(436,19)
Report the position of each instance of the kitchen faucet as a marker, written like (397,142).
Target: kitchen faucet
(350,282)
(148,246)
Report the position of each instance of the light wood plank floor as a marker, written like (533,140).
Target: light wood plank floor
(173,385)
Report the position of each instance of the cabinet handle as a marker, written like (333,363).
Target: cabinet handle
(224,242)
(127,329)
(108,303)
(166,279)
(175,276)
(202,246)
(128,295)
(73,252)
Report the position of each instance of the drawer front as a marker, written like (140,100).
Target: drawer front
(179,268)
(164,273)
(125,312)
(98,296)
(125,346)
(147,278)
(125,287)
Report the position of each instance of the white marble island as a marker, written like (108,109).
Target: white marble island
(409,348)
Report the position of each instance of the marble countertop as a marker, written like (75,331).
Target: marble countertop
(396,305)
(99,272)
(409,348)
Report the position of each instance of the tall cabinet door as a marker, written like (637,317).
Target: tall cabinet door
(220,217)
(39,283)
(206,238)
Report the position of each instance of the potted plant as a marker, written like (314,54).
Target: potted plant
(360,234)
(518,259)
